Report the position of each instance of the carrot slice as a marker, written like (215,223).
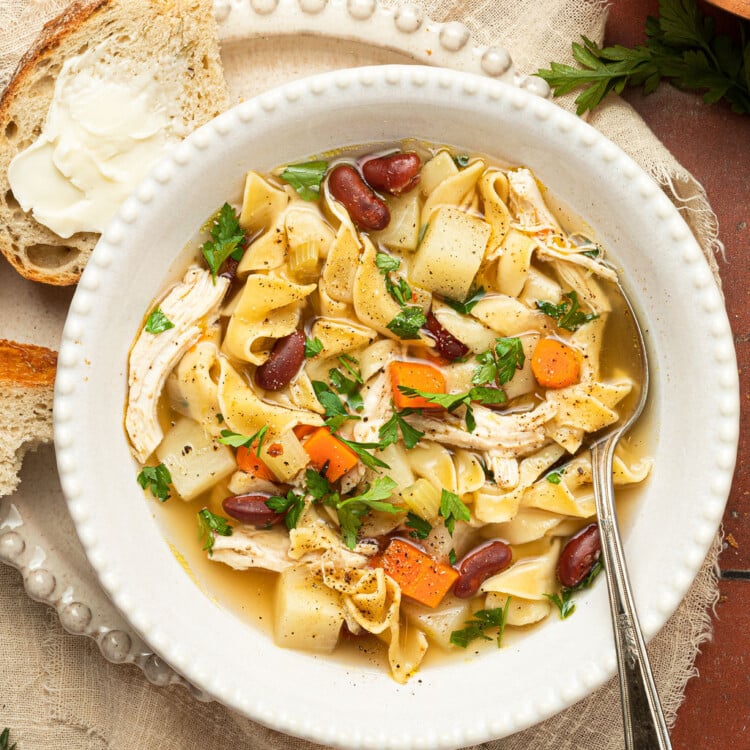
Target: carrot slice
(554,364)
(303,430)
(419,576)
(328,452)
(415,375)
(248,461)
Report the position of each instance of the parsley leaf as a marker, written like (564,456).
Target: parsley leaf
(306,178)
(317,485)
(461,160)
(210,524)
(387,263)
(235,439)
(554,477)
(158,322)
(422,233)
(336,413)
(400,290)
(292,505)
(452,510)
(351,510)
(407,323)
(5,740)
(420,529)
(468,304)
(499,364)
(564,602)
(157,479)
(388,433)
(682,46)
(226,239)
(451,401)
(452,556)
(482,620)
(361,449)
(313,347)
(567,314)
(348,387)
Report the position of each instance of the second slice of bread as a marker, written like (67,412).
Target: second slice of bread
(178,36)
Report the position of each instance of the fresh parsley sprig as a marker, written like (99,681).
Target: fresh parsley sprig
(351,510)
(306,178)
(158,322)
(5,740)
(370,460)
(420,528)
(400,289)
(451,401)
(208,525)
(567,314)
(682,46)
(226,239)
(292,504)
(498,365)
(468,304)
(388,433)
(349,387)
(157,479)
(564,600)
(313,347)
(483,620)
(452,509)
(407,323)
(336,412)
(237,440)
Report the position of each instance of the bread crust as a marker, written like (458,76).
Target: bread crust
(26,365)
(32,66)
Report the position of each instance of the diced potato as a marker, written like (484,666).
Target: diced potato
(308,614)
(438,624)
(195,461)
(451,252)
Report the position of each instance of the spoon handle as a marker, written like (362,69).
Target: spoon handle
(643,718)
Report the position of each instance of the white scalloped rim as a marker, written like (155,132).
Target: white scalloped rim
(695,433)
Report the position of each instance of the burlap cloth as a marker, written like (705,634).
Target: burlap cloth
(57,691)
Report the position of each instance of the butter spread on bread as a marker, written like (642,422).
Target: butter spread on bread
(109,121)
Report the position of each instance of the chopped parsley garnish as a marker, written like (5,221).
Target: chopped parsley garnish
(468,304)
(499,364)
(388,432)
(483,620)
(595,253)
(564,601)
(452,509)
(318,487)
(400,289)
(158,322)
(5,740)
(422,233)
(350,363)
(451,401)
(313,347)
(461,160)
(407,323)
(362,450)
(306,178)
(452,556)
(226,239)
(210,524)
(420,529)
(554,477)
(219,417)
(336,413)
(292,505)
(387,263)
(236,440)
(351,510)
(157,479)
(567,314)
(347,386)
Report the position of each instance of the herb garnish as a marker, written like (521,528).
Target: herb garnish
(157,479)
(407,323)
(483,620)
(420,529)
(451,401)
(335,411)
(567,314)
(563,601)
(468,304)
(236,440)
(422,233)
(313,347)
(351,510)
(306,178)
(399,290)
(362,450)
(5,739)
(208,524)
(292,505)
(452,556)
(158,322)
(499,364)
(226,239)
(461,160)
(388,432)
(682,46)
(349,387)
(554,477)
(452,509)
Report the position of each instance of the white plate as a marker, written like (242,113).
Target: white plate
(694,406)
(263,44)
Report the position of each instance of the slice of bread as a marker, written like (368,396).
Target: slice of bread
(178,36)
(27,378)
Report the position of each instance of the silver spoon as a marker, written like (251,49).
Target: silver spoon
(643,718)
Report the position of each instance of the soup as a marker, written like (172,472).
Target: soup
(374,387)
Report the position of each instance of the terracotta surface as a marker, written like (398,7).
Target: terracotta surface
(714,144)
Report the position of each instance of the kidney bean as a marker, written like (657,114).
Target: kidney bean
(286,358)
(446,344)
(394,174)
(481,563)
(228,269)
(367,211)
(251,509)
(579,556)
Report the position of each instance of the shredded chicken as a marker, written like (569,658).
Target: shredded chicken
(154,356)
(249,547)
(376,395)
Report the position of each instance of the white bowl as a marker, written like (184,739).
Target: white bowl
(694,409)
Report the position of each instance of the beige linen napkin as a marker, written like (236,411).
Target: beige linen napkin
(56,690)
